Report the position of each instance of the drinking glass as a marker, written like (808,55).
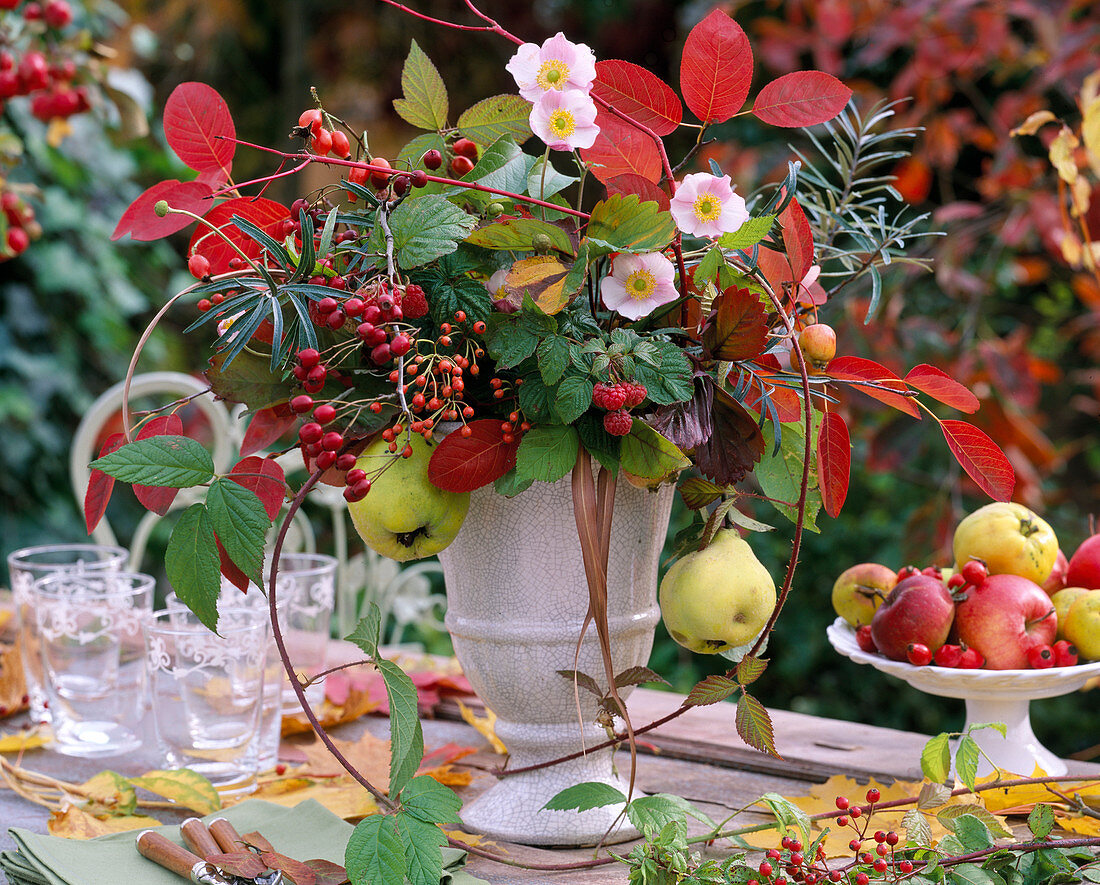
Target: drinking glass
(25,567)
(89,630)
(207,693)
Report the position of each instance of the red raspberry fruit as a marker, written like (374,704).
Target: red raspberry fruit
(618,423)
(413,303)
(635,394)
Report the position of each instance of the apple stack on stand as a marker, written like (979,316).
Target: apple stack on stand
(1012,600)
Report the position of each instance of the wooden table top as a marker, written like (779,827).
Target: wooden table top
(697,756)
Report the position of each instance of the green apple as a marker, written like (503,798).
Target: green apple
(717,598)
(860,590)
(403,515)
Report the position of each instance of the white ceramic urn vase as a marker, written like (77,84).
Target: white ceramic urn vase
(516,601)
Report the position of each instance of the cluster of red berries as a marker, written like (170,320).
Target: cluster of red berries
(465,156)
(321,448)
(323,141)
(313,373)
(50,84)
(618,399)
(21,223)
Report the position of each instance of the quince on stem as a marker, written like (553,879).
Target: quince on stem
(403,515)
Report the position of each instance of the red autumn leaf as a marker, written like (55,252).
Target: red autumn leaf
(158,498)
(199,128)
(621,149)
(265,428)
(647,191)
(716,69)
(737,329)
(229,569)
(264,478)
(834,462)
(464,463)
(264,213)
(941,386)
(142,223)
(981,458)
(641,95)
(798,239)
(297,871)
(803,98)
(100,485)
(855,368)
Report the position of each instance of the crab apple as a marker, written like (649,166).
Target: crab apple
(918,610)
(818,345)
(1083,569)
(1003,617)
(860,590)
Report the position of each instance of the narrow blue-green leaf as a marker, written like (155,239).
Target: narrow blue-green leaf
(240,522)
(582,797)
(175,461)
(264,239)
(428,800)
(375,854)
(327,231)
(406,734)
(192,564)
(237,336)
(307,334)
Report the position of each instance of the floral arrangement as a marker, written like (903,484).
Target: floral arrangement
(495,316)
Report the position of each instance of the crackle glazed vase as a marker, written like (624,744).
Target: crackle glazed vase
(516,601)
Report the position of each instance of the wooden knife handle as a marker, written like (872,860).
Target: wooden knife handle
(226,835)
(168,854)
(198,838)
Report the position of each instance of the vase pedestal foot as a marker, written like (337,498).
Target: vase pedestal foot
(513,808)
(1019,751)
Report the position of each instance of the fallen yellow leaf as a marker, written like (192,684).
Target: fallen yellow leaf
(1082,826)
(474,841)
(449,775)
(343,796)
(30,739)
(1021,799)
(75,823)
(485,726)
(183,786)
(368,755)
(109,793)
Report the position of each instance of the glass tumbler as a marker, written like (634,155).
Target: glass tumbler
(207,693)
(89,629)
(25,567)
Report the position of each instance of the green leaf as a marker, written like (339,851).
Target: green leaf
(748,234)
(543,181)
(651,814)
(192,564)
(754,725)
(511,485)
(240,522)
(788,815)
(182,786)
(600,444)
(424,228)
(502,166)
(971,874)
(553,358)
(425,102)
(749,669)
(780,474)
(1041,820)
(573,398)
(428,800)
(622,223)
(935,759)
(993,823)
(409,156)
(406,734)
(966,760)
(248,379)
(707,269)
(422,841)
(582,797)
(176,461)
(368,631)
(375,854)
(496,116)
(711,690)
(973,834)
(647,454)
(518,234)
(547,453)
(509,343)
(672,381)
(917,829)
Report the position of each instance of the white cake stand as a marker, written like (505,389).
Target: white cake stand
(990,695)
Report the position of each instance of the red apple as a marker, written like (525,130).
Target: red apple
(1084,565)
(1003,617)
(918,610)
(1057,579)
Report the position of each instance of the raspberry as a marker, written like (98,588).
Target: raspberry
(618,423)
(413,303)
(609,396)
(635,393)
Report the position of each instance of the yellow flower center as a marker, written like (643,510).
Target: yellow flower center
(640,284)
(562,123)
(553,74)
(707,207)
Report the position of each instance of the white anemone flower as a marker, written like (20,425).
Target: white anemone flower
(638,284)
(557,66)
(565,120)
(706,206)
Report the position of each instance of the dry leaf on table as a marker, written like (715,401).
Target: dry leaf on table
(485,726)
(29,739)
(75,823)
(368,755)
(343,796)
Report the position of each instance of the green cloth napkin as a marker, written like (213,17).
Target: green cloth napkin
(305,832)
